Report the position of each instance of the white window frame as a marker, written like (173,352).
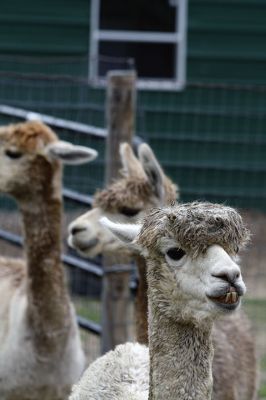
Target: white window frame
(179,38)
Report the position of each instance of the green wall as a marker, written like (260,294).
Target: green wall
(56,27)
(211,137)
(227,41)
(50,28)
(226,38)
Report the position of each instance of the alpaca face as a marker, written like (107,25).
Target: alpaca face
(21,148)
(190,250)
(13,168)
(143,186)
(29,154)
(194,288)
(90,238)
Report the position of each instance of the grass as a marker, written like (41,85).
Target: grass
(88,308)
(262,391)
(256,310)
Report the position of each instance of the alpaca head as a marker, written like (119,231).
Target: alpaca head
(29,158)
(143,185)
(190,251)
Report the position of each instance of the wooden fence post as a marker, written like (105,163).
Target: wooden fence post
(120,115)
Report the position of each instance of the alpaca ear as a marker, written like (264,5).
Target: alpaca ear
(69,153)
(127,233)
(130,163)
(152,169)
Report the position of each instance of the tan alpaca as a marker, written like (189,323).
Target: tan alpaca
(145,185)
(193,280)
(142,185)
(40,348)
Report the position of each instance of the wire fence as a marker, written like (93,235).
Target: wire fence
(210,139)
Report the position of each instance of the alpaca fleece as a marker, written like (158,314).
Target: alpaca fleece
(29,137)
(131,192)
(196,226)
(40,349)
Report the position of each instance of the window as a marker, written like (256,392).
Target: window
(153,34)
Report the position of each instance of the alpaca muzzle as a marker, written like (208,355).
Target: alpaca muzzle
(229,300)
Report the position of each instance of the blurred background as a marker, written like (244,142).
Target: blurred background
(200,104)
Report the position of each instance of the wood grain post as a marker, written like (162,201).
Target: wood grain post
(120,116)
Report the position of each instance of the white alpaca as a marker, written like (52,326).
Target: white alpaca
(144,185)
(193,280)
(40,349)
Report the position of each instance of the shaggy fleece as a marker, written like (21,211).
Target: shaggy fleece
(195,226)
(119,374)
(132,192)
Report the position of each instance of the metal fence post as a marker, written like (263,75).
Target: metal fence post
(120,115)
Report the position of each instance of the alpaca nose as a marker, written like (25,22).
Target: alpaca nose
(229,276)
(74,230)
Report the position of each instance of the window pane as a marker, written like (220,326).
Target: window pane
(152,60)
(137,15)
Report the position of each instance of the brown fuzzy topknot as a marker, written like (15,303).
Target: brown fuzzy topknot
(28,136)
(129,192)
(195,226)
(132,192)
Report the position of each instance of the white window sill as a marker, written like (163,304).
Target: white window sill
(146,84)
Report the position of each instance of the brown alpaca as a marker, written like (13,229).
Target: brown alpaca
(143,185)
(193,281)
(232,339)
(40,351)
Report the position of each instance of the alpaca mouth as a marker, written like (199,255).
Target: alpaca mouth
(229,300)
(84,246)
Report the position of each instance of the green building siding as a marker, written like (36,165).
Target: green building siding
(227,41)
(211,138)
(44,27)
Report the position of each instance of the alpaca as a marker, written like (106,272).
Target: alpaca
(143,185)
(40,351)
(193,280)
(134,194)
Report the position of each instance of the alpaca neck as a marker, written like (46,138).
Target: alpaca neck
(180,358)
(48,302)
(141,307)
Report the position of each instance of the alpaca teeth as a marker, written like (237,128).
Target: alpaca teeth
(234,296)
(228,296)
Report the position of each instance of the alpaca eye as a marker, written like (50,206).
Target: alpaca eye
(175,253)
(129,212)
(14,154)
